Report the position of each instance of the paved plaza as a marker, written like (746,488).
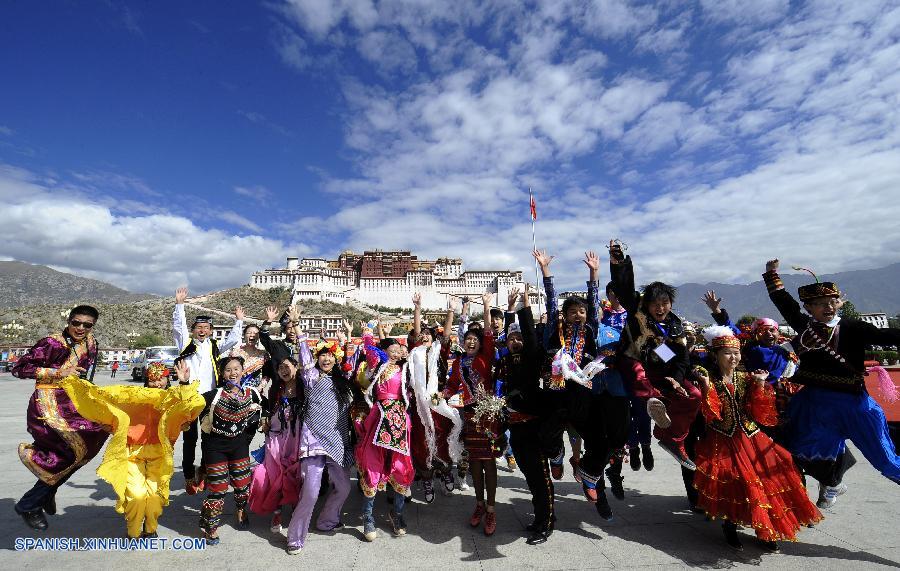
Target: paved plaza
(652,527)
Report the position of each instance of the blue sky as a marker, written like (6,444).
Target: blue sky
(154,145)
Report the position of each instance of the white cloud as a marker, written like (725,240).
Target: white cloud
(258,193)
(6,131)
(68,228)
(773,143)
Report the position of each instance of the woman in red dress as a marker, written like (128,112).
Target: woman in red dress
(742,476)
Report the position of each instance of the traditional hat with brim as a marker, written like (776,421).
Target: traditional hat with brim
(815,290)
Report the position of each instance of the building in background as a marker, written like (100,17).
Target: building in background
(388,279)
(879,320)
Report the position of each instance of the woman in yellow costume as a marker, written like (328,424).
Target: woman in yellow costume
(145,422)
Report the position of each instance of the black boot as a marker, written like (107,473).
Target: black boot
(614,474)
(603,507)
(634,453)
(647,452)
(35,519)
(731,536)
(50,504)
(542,534)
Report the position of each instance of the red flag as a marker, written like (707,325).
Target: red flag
(533,206)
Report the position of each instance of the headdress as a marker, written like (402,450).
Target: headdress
(763,323)
(203,319)
(720,336)
(513,328)
(156,371)
(329,347)
(818,289)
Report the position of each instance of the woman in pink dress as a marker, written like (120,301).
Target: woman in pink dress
(383,451)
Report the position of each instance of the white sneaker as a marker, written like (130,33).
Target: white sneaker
(461,483)
(275,524)
(657,411)
(294,550)
(828,495)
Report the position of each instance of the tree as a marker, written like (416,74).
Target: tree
(894,322)
(148,339)
(849,310)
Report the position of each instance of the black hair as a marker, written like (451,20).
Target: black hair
(285,320)
(475,326)
(249,325)
(223,362)
(476,333)
(657,290)
(88,310)
(610,288)
(387,342)
(573,301)
(496,313)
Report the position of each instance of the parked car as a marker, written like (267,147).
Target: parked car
(165,354)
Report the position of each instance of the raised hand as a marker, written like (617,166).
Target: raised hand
(183,371)
(486,299)
(294,314)
(772,265)
(239,313)
(592,260)
(181,295)
(616,255)
(453,304)
(271,313)
(542,258)
(512,298)
(417,299)
(711,301)
(526,297)
(348,328)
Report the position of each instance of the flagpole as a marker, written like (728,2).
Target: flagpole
(537,280)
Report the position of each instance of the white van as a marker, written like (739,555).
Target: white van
(165,354)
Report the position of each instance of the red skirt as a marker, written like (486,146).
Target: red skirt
(752,482)
(483,441)
(442,428)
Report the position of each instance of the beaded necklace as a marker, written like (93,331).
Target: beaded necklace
(819,343)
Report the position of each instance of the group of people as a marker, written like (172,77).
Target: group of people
(746,415)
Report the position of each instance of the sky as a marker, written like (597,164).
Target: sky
(153,145)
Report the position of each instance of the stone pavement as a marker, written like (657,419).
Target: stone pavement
(652,527)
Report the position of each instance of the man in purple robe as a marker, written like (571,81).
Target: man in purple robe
(63,440)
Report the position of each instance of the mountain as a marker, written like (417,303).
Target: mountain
(23,284)
(871,291)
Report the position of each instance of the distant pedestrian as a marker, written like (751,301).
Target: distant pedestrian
(114,368)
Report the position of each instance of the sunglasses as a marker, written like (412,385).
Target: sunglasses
(85,324)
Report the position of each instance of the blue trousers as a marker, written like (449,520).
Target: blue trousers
(820,420)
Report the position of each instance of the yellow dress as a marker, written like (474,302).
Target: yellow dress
(138,461)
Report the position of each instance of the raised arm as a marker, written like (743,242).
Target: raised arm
(592,261)
(448,321)
(543,261)
(785,303)
(718,312)
(487,343)
(417,314)
(237,331)
(622,274)
(463,319)
(180,331)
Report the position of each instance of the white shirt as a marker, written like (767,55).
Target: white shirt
(201,363)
